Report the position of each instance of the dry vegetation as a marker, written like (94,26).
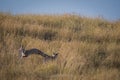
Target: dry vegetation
(89,49)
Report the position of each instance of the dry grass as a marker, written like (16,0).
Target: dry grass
(89,49)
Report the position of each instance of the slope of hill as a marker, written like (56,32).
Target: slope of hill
(89,49)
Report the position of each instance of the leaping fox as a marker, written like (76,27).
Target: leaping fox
(26,53)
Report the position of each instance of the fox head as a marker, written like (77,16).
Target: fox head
(21,51)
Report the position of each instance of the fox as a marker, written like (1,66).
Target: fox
(25,53)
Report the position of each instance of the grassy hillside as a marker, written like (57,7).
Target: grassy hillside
(89,49)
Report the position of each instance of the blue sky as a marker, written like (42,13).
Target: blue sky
(109,9)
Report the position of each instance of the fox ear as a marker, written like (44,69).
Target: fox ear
(22,47)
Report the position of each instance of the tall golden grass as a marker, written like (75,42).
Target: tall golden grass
(89,49)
